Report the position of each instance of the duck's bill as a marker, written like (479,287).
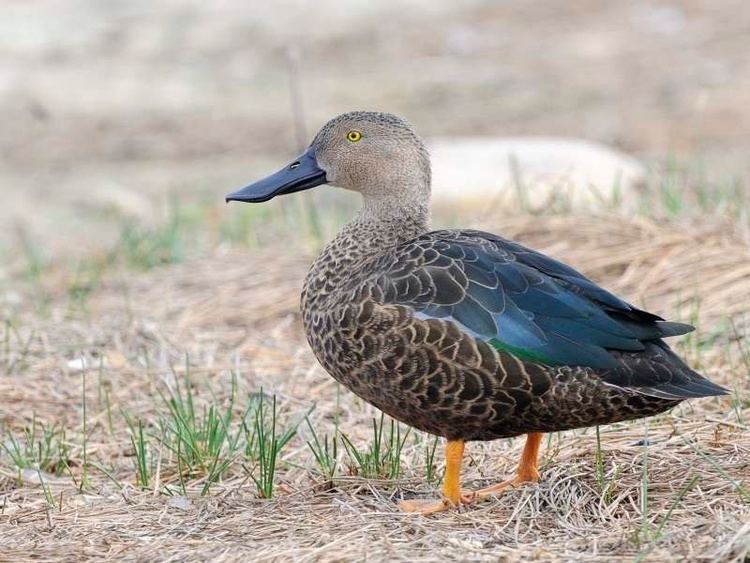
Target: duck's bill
(302,174)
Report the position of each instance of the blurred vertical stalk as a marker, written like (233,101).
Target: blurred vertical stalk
(310,210)
(295,97)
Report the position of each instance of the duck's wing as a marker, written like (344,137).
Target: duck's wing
(535,308)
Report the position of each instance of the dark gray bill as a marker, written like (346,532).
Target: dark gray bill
(302,174)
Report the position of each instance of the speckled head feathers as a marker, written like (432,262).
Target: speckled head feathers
(377,154)
(388,124)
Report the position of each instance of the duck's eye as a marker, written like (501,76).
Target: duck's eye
(353,136)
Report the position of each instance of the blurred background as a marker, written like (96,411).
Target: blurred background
(114,110)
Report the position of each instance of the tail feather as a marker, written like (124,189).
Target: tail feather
(669,328)
(655,330)
(680,391)
(659,372)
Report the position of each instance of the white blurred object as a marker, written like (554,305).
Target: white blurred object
(79,364)
(539,171)
(37,477)
(180,502)
(108,359)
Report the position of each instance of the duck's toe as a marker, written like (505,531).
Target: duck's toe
(517,481)
(428,506)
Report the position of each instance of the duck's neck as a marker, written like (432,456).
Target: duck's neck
(388,221)
(382,223)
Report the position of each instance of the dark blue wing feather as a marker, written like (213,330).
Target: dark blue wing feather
(520,300)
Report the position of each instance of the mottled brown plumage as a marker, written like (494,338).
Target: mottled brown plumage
(460,333)
(432,375)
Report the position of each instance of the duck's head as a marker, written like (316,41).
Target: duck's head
(377,154)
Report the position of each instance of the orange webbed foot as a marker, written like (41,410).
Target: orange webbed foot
(527,470)
(452,497)
(517,481)
(427,507)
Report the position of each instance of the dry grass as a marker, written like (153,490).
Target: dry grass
(685,495)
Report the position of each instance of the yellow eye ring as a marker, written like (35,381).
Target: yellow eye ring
(353,136)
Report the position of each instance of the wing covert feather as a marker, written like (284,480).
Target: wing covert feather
(516,299)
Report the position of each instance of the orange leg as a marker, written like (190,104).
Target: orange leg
(452,496)
(528,471)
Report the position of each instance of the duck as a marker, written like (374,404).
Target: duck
(461,333)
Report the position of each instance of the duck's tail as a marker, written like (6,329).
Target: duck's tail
(659,372)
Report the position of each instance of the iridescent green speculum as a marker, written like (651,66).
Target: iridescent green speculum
(522,353)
